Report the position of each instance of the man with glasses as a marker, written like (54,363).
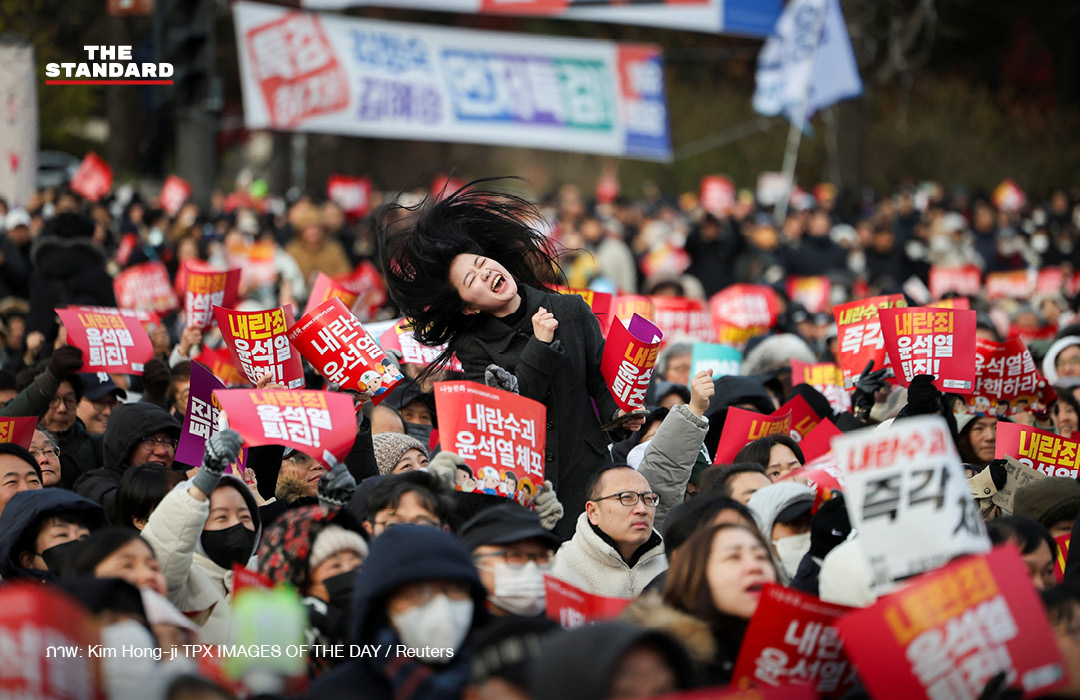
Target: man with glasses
(298,480)
(615,551)
(138,433)
(512,551)
(44,450)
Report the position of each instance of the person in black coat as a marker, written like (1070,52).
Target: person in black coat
(37,527)
(713,247)
(466,270)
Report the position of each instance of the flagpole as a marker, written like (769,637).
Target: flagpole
(795,132)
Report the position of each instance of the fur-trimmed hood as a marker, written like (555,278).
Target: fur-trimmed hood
(651,612)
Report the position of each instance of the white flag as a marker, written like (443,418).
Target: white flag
(789,70)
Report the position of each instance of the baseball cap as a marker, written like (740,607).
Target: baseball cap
(99,385)
(503,524)
(16,217)
(795,510)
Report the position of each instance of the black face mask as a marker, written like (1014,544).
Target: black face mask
(419,432)
(340,589)
(57,556)
(233,545)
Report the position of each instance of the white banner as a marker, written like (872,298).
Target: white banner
(322,73)
(19,133)
(908,498)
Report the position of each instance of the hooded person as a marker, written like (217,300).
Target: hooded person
(416,409)
(137,433)
(1063,358)
(1054,502)
(415,602)
(396,453)
(735,391)
(39,529)
(782,511)
(610,660)
(199,531)
(317,551)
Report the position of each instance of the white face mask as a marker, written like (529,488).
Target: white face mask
(440,622)
(519,590)
(1041,244)
(791,551)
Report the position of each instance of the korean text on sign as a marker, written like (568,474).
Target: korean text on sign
(939,342)
(629,356)
(826,378)
(1043,451)
(1004,374)
(678,316)
(907,495)
(259,344)
(110,341)
(859,334)
(205,290)
(297,417)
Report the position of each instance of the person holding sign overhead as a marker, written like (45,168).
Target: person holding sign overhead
(469,270)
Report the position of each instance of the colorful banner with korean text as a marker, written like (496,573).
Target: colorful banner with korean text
(93,179)
(145,287)
(1006,381)
(499,434)
(826,378)
(811,292)
(256,261)
(399,338)
(201,419)
(336,344)
(321,424)
(793,640)
(964,280)
(367,284)
(1041,450)
(859,335)
(629,356)
(803,418)
(600,302)
(743,311)
(818,441)
(206,288)
(682,319)
(723,360)
(903,488)
(742,427)
(947,634)
(110,341)
(18,430)
(326,288)
(572,607)
(940,342)
(259,345)
(174,193)
(330,74)
(352,194)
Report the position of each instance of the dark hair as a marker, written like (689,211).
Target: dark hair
(417,244)
(758,450)
(142,488)
(28,541)
(100,546)
(393,487)
(10,448)
(721,484)
(1060,603)
(690,516)
(1027,533)
(592,486)
(465,468)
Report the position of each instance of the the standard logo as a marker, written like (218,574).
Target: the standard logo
(109,65)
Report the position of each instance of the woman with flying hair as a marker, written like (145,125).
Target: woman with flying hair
(470,270)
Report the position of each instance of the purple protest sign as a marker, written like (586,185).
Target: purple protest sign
(201,419)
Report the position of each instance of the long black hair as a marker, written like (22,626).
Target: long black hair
(418,243)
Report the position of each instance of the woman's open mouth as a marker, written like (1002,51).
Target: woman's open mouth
(498,283)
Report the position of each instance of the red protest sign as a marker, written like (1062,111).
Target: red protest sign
(244,578)
(352,194)
(818,441)
(259,345)
(18,430)
(859,335)
(37,625)
(628,360)
(792,639)
(717,194)
(334,342)
(1016,284)
(398,337)
(742,427)
(811,292)
(803,418)
(1006,380)
(204,289)
(572,607)
(965,280)
(607,187)
(499,434)
(368,286)
(145,287)
(826,378)
(110,341)
(679,317)
(952,303)
(220,363)
(255,260)
(742,311)
(93,179)
(599,302)
(665,258)
(626,305)
(201,419)
(326,288)
(822,474)
(948,632)
(940,342)
(1062,556)
(1043,451)
(1049,280)
(445,185)
(321,424)
(174,193)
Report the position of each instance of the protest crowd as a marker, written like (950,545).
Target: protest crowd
(464,444)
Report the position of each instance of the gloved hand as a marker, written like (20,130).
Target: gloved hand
(443,466)
(65,360)
(222,449)
(499,378)
(336,487)
(998,473)
(829,527)
(547,507)
(923,397)
(997,689)
(870,382)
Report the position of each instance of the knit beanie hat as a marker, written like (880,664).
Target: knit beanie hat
(1048,500)
(333,539)
(389,447)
